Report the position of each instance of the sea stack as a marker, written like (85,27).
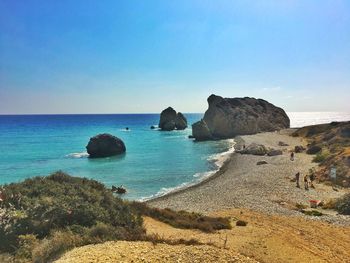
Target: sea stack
(105,145)
(229,117)
(170,120)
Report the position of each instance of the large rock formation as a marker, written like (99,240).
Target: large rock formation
(105,145)
(226,118)
(170,120)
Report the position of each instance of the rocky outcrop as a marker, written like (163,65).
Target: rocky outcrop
(180,121)
(105,145)
(255,149)
(282,144)
(299,149)
(226,118)
(274,152)
(170,120)
(313,149)
(200,131)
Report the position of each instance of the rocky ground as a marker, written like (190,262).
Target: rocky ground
(266,188)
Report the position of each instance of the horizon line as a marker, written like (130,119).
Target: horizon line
(144,113)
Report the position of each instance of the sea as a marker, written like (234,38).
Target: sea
(155,162)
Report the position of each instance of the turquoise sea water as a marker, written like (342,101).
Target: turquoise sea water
(155,162)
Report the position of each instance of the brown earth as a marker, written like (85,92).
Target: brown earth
(266,238)
(271,238)
(123,251)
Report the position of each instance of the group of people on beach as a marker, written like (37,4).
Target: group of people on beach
(308,179)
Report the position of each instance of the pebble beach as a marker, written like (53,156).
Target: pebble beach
(241,183)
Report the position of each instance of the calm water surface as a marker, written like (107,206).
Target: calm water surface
(155,161)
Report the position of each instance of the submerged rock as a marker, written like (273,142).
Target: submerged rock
(118,189)
(228,117)
(170,120)
(105,145)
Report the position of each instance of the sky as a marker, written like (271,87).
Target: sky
(138,56)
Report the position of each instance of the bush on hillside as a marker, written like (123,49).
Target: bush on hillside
(183,219)
(43,217)
(342,205)
(321,156)
(41,205)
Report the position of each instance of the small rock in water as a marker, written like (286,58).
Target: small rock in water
(119,189)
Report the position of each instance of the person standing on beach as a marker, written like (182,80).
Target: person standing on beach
(297,175)
(292,156)
(312,177)
(306,182)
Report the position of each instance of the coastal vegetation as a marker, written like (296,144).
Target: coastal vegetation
(342,205)
(183,219)
(331,144)
(42,217)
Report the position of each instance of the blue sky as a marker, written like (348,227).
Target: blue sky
(142,56)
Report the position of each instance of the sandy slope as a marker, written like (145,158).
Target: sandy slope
(272,238)
(147,252)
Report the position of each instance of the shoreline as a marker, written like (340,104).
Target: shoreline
(238,142)
(240,183)
(221,163)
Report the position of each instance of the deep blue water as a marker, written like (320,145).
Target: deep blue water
(155,161)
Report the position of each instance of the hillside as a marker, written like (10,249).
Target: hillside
(331,144)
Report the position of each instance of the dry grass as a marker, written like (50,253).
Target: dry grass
(183,219)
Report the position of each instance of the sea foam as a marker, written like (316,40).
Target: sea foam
(78,155)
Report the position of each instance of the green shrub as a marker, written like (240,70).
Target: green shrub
(321,156)
(26,246)
(41,205)
(43,217)
(52,247)
(342,205)
(312,212)
(300,206)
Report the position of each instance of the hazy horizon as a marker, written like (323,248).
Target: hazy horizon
(89,57)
